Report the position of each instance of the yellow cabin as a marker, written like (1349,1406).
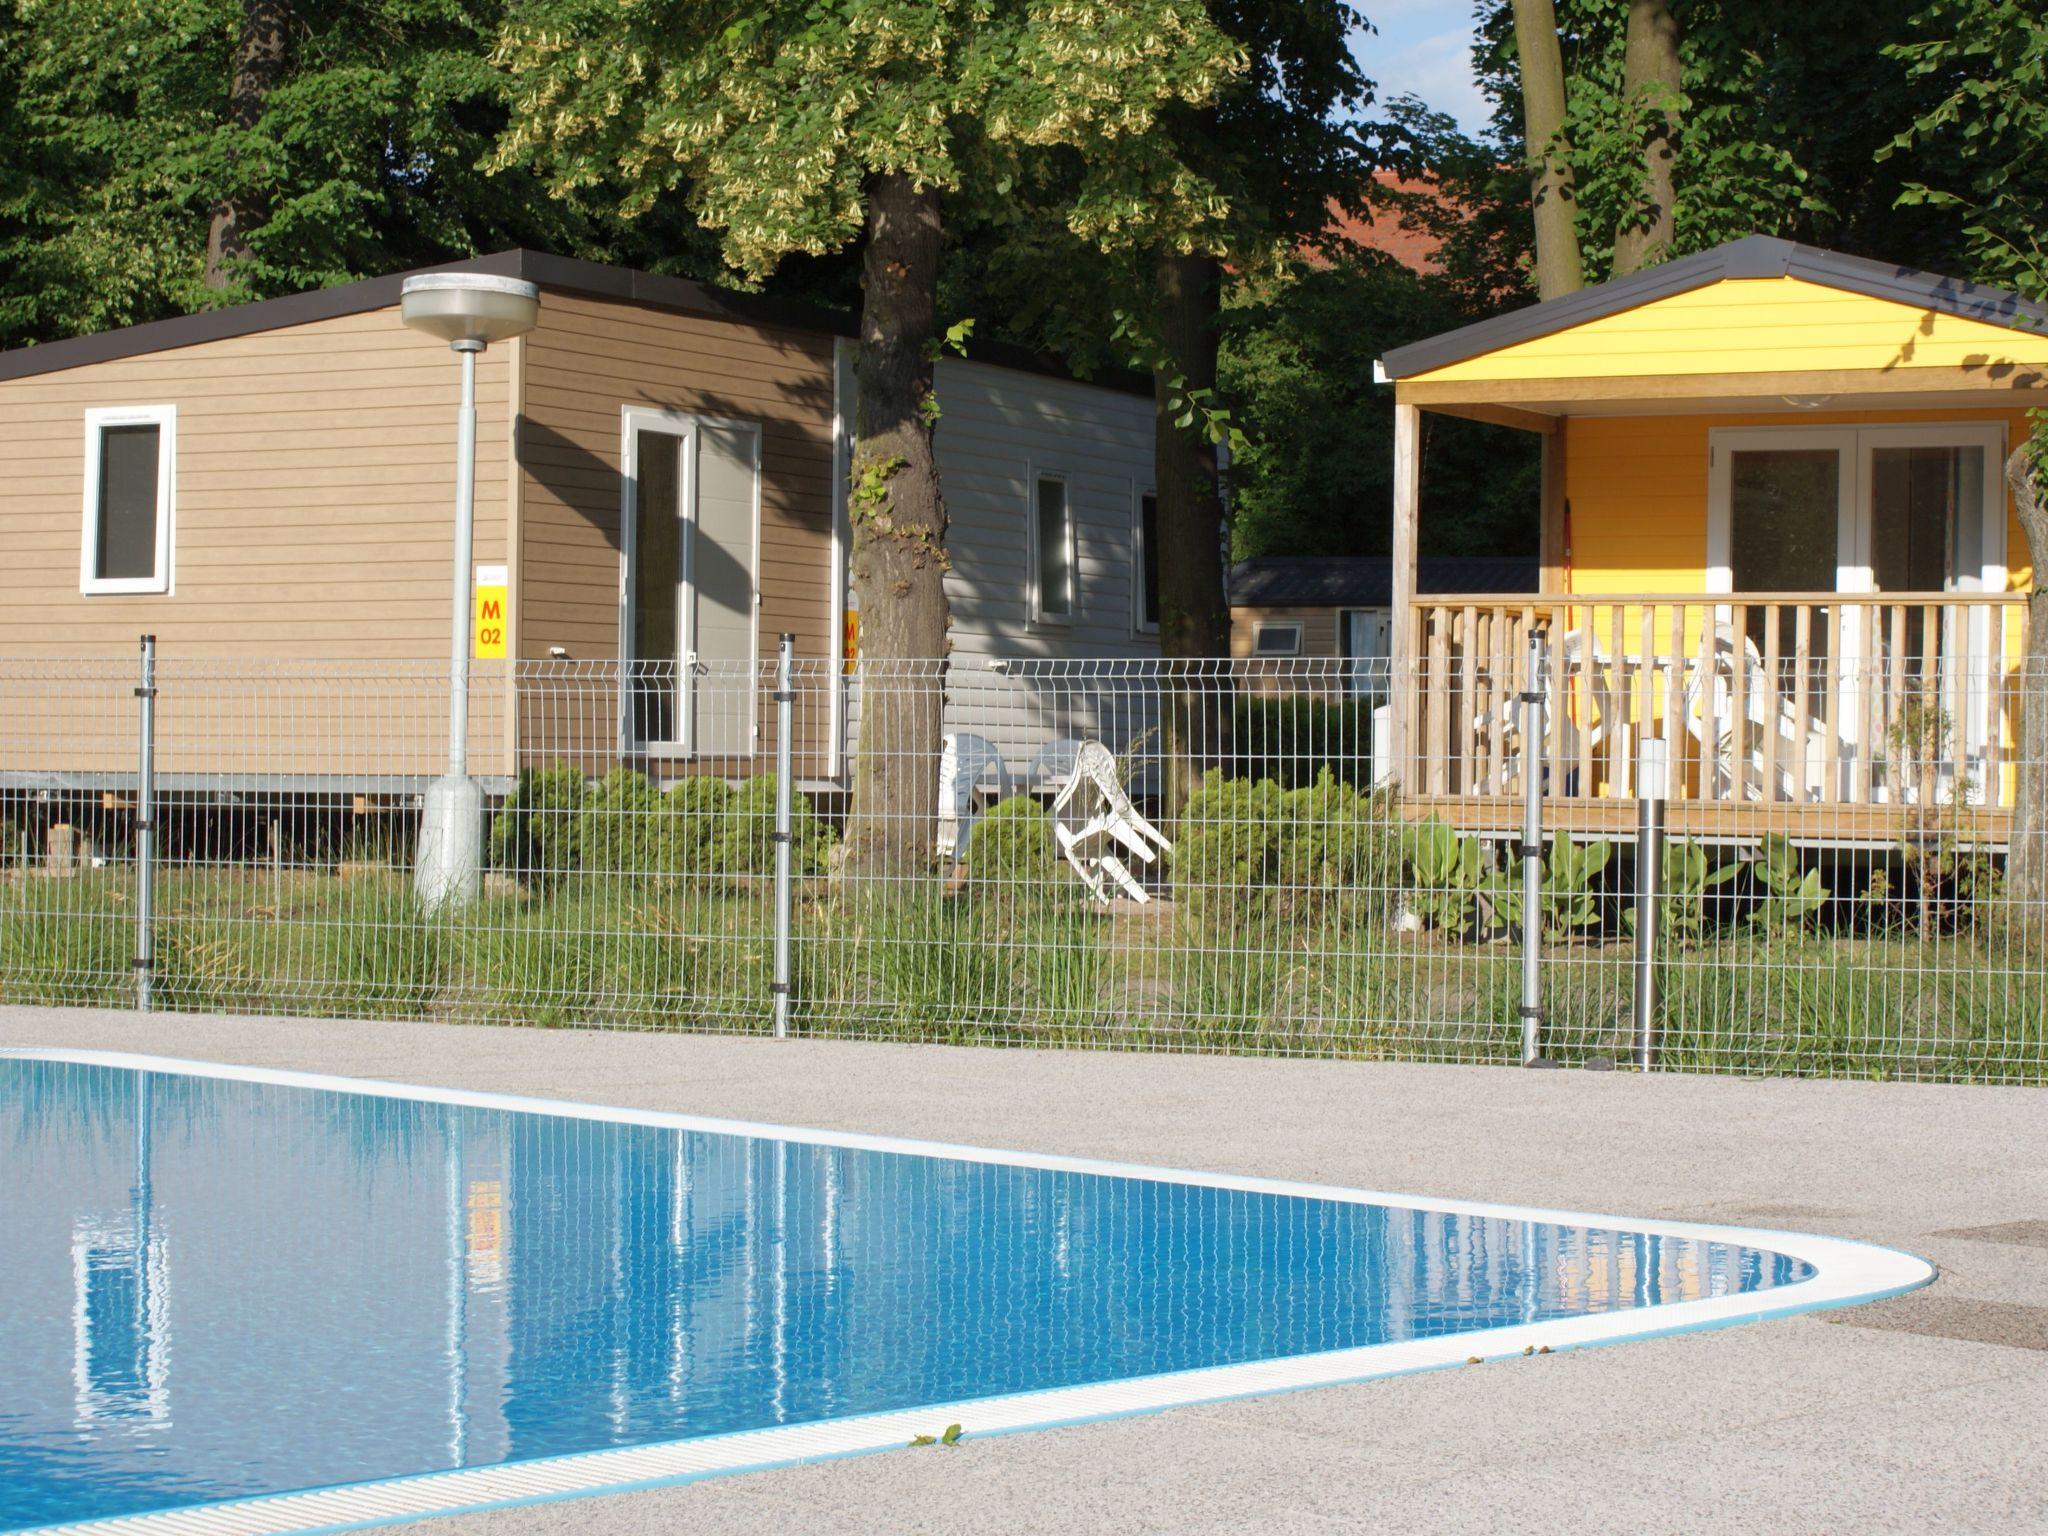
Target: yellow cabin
(1777,541)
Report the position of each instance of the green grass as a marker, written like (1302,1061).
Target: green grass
(1021,964)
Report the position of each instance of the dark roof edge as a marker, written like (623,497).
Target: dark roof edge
(562,273)
(1755,256)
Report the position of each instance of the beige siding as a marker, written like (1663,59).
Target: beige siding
(1318,628)
(314,496)
(588,360)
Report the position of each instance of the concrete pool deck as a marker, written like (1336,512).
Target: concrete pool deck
(1922,1413)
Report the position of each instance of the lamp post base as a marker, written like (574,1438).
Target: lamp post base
(449,871)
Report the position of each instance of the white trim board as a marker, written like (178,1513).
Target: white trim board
(1846,1273)
(97,420)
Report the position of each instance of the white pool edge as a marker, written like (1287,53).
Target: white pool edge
(1846,1273)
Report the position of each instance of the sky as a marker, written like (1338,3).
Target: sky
(1423,48)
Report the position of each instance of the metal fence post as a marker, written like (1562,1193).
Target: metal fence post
(145,827)
(1653,770)
(785,837)
(1534,765)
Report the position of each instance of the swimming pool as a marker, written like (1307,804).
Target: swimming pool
(318,1303)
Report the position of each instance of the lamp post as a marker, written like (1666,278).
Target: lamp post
(469,311)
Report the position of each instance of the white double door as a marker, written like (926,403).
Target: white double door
(1868,509)
(689,586)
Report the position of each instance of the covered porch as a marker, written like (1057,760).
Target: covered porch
(1775,537)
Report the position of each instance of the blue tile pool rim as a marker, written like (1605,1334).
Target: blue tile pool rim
(1845,1273)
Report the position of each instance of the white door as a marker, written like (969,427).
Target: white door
(1364,639)
(689,587)
(1916,508)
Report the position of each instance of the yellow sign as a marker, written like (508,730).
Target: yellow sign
(492,625)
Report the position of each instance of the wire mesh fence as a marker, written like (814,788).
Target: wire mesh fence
(1288,857)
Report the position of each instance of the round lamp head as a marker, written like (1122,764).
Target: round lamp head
(469,306)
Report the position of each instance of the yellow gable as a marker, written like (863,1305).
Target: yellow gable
(1761,325)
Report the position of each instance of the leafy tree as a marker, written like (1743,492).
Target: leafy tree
(1652,92)
(1316,461)
(1276,149)
(1775,129)
(1986,140)
(804,127)
(1552,194)
(302,145)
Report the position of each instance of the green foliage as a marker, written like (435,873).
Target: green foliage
(1337,840)
(625,828)
(1294,740)
(1446,874)
(1782,129)
(745,844)
(1224,846)
(1684,909)
(534,834)
(770,120)
(1297,352)
(1571,893)
(1011,850)
(1791,896)
(1979,152)
(364,159)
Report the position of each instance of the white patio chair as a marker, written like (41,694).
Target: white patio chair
(1052,766)
(1709,715)
(1115,821)
(972,773)
(1575,653)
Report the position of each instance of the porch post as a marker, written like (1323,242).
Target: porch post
(1401,682)
(1555,555)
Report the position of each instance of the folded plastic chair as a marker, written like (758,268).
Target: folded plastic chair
(971,768)
(1113,822)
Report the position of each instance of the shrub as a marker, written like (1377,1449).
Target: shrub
(746,839)
(1295,741)
(1225,845)
(1445,874)
(1337,841)
(1011,849)
(699,813)
(626,828)
(534,833)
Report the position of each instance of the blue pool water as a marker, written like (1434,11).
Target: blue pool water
(214,1288)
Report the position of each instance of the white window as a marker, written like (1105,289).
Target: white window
(1273,639)
(1052,549)
(130,453)
(1145,563)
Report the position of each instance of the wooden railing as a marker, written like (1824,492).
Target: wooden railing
(1820,697)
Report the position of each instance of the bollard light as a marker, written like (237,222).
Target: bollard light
(469,311)
(1653,770)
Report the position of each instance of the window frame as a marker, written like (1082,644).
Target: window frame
(97,419)
(1140,623)
(1259,628)
(1039,615)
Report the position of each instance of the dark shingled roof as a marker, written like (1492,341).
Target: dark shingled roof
(1367,581)
(1755,256)
(560,273)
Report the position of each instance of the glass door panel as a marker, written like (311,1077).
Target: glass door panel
(659,537)
(1784,531)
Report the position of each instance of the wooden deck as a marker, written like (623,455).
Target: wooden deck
(1833,826)
(1840,717)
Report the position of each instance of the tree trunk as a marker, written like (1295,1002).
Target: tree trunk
(1551,193)
(1194,611)
(899,539)
(2026,871)
(1651,82)
(259,65)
